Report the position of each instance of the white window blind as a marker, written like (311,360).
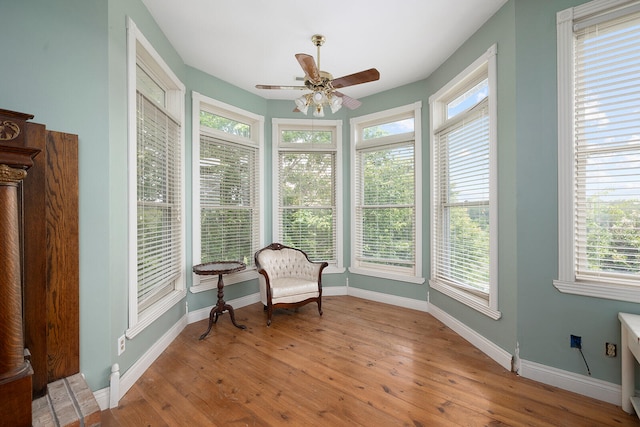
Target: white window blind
(385,230)
(307,202)
(229,213)
(462,193)
(158,202)
(607,149)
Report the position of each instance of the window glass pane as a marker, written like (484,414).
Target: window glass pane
(306,179)
(468,99)
(607,150)
(159,201)
(149,88)
(311,229)
(390,128)
(462,192)
(307,201)
(465,246)
(307,137)
(228,201)
(388,235)
(389,176)
(385,213)
(224,124)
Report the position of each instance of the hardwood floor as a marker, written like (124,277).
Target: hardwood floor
(361,363)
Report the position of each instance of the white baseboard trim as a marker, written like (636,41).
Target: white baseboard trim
(129,378)
(102,398)
(581,384)
(499,355)
(388,299)
(333,291)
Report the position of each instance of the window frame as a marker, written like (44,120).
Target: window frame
(256,122)
(485,304)
(278,125)
(358,142)
(567,281)
(141,52)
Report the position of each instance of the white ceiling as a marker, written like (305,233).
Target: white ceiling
(249,42)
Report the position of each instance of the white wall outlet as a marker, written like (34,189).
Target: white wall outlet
(121,345)
(610,350)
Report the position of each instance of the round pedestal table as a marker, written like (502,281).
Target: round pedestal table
(219,268)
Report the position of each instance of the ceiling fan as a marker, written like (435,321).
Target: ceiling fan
(323,86)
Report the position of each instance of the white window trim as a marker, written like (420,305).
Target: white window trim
(566,281)
(139,321)
(277,125)
(205,283)
(357,124)
(437,117)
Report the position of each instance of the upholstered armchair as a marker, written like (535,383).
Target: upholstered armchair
(288,279)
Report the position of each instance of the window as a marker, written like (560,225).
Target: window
(599,150)
(386,226)
(227,161)
(156,184)
(464,195)
(307,204)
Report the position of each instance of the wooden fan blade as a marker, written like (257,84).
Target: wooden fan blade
(309,67)
(347,101)
(280,87)
(369,75)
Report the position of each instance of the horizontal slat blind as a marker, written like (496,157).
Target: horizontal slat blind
(307,202)
(385,209)
(607,150)
(229,211)
(159,198)
(462,197)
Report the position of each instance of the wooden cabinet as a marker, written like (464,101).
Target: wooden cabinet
(51,264)
(39,262)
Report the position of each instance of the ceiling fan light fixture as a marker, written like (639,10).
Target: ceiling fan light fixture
(323,86)
(303,104)
(336,104)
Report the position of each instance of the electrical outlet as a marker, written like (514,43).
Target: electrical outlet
(576,341)
(121,345)
(610,350)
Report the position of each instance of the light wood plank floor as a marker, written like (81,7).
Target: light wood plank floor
(361,363)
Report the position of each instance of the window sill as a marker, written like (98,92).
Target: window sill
(467,298)
(332,269)
(600,290)
(386,275)
(152,313)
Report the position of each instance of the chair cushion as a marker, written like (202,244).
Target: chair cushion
(290,286)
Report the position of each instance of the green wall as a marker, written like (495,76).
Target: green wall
(499,30)
(65,62)
(56,68)
(547,317)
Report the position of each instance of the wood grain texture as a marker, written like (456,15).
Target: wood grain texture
(11,335)
(51,257)
(34,266)
(361,363)
(63,322)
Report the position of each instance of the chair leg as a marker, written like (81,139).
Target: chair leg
(320,307)
(269,314)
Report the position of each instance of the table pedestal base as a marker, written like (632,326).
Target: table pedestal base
(220,307)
